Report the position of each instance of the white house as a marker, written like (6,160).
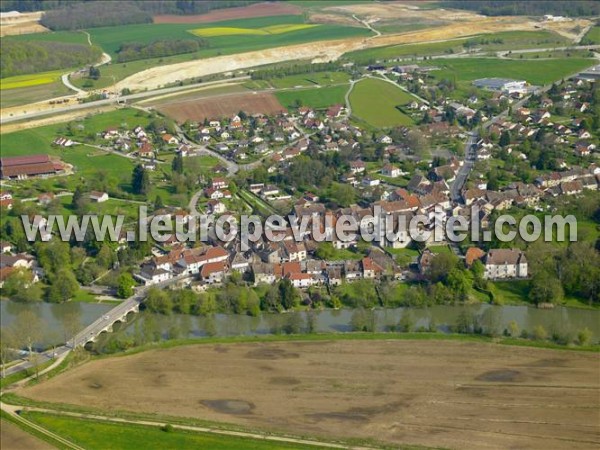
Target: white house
(98,197)
(505,263)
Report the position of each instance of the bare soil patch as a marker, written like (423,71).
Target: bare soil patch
(14,438)
(245,12)
(21,23)
(436,393)
(222,106)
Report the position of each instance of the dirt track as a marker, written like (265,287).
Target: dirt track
(434,393)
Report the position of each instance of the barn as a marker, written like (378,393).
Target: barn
(20,167)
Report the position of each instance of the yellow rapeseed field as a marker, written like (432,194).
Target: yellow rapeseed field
(34,79)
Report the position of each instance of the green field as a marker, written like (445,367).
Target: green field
(509,40)
(111,38)
(375,102)
(85,159)
(315,98)
(68,37)
(26,95)
(94,434)
(537,72)
(593,36)
(311,79)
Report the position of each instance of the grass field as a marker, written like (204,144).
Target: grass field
(315,98)
(25,81)
(510,40)
(93,434)
(537,72)
(272,386)
(266,32)
(593,35)
(67,37)
(23,96)
(375,102)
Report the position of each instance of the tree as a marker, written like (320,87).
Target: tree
(159,301)
(177,164)
(288,294)
(94,73)
(362,320)
(126,284)
(342,194)
(27,331)
(441,265)
(19,286)
(504,139)
(158,202)
(71,323)
(513,328)
(545,288)
(64,286)
(79,201)
(140,182)
(7,348)
(584,336)
(407,322)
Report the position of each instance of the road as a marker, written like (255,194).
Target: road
(465,169)
(111,101)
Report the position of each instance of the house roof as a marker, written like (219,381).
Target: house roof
(501,256)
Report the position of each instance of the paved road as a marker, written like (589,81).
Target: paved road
(111,101)
(465,169)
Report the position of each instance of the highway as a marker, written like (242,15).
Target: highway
(115,100)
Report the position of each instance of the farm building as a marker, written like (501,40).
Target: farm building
(21,167)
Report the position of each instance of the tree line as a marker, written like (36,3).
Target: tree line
(528,8)
(296,69)
(19,58)
(74,14)
(132,51)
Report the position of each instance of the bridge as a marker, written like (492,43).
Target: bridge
(119,314)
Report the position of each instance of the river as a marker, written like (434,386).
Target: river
(57,316)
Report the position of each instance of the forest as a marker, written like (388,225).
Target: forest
(527,8)
(19,57)
(135,50)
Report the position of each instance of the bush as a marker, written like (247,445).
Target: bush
(168,428)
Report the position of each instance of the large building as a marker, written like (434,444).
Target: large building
(502,84)
(21,167)
(505,263)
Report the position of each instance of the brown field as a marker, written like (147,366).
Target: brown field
(222,106)
(24,23)
(245,12)
(436,393)
(13,438)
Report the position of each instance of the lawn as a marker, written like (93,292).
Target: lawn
(593,36)
(315,98)
(510,40)
(537,72)
(311,79)
(93,434)
(375,102)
